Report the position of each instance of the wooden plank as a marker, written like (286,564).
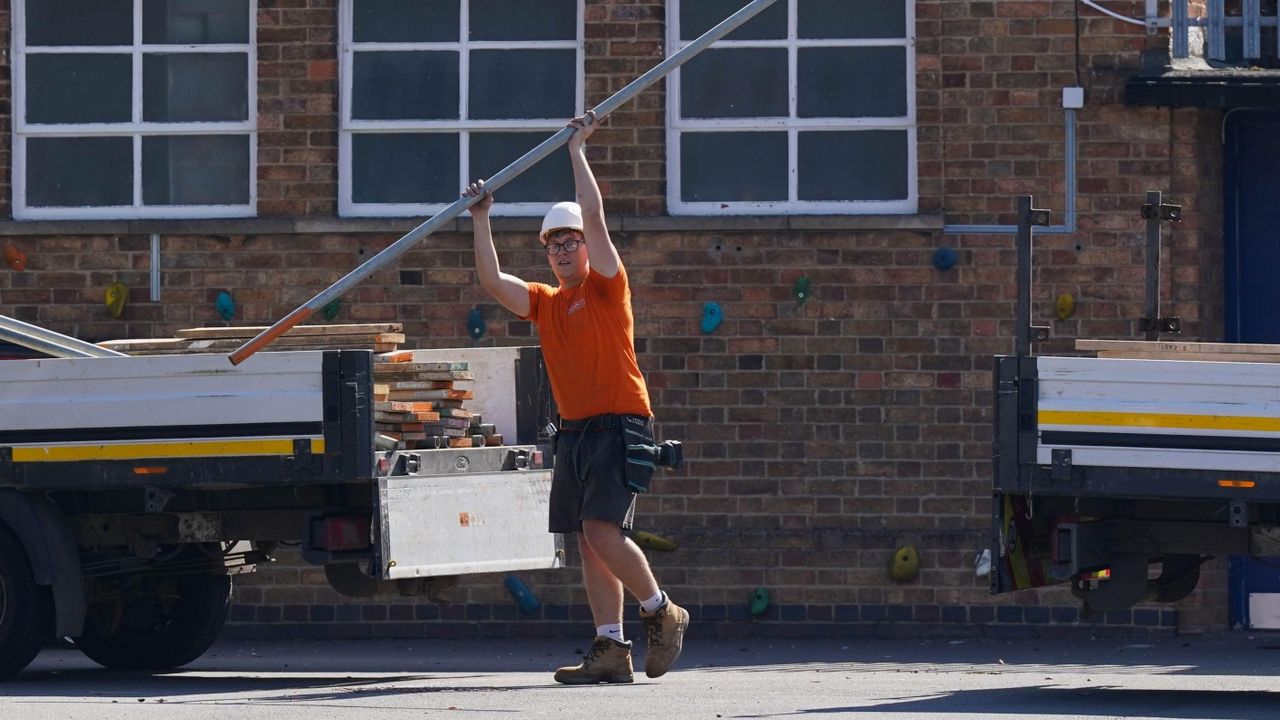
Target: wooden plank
(247,331)
(1189,356)
(144,344)
(1176,347)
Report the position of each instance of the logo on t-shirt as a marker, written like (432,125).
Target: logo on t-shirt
(577,305)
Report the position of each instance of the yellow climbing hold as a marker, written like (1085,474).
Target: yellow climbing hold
(905,564)
(650,541)
(116,297)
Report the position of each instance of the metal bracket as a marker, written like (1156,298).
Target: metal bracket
(1167,211)
(6,463)
(302,457)
(1238,514)
(1060,470)
(154,499)
(1169,325)
(1038,333)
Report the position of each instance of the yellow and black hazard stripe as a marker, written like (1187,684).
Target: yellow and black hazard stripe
(1144,430)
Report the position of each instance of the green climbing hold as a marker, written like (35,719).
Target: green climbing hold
(759,601)
(801,289)
(331,310)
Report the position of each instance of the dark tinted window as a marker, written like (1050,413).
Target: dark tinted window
(79,88)
(551,180)
(735,82)
(405,20)
(522,84)
(79,172)
(851,19)
(852,82)
(524,19)
(195,87)
(405,85)
(191,22)
(195,170)
(699,16)
(733,166)
(853,165)
(404,167)
(79,22)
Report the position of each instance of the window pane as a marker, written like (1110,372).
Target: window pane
(191,22)
(79,172)
(845,19)
(405,20)
(551,180)
(854,165)
(522,84)
(524,19)
(195,170)
(852,82)
(79,88)
(195,87)
(699,16)
(79,22)
(405,85)
(733,166)
(735,83)
(404,167)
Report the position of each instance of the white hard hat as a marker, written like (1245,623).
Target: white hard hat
(562,215)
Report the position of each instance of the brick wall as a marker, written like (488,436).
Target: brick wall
(822,435)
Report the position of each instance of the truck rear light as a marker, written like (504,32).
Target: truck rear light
(150,470)
(343,533)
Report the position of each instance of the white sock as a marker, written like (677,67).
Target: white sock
(610,631)
(654,602)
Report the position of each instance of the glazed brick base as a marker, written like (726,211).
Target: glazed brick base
(717,621)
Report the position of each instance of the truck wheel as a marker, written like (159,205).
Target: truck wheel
(26,609)
(156,622)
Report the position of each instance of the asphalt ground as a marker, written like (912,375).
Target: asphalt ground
(1234,675)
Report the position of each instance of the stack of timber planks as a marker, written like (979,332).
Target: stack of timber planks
(379,337)
(422,404)
(1180,350)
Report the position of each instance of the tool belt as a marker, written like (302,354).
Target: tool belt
(602,423)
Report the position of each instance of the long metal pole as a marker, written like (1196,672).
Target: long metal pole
(48,341)
(505,175)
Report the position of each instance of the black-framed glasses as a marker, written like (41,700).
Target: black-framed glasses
(568,246)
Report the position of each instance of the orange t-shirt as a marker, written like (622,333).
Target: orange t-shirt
(588,341)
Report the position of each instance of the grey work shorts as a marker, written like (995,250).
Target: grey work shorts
(588,481)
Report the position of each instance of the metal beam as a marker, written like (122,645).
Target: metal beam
(510,172)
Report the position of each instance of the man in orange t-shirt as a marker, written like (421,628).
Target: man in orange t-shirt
(587,332)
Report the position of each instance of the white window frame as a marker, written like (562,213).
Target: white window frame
(136,128)
(463,125)
(676,125)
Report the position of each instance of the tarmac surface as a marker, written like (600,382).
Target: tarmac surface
(1230,676)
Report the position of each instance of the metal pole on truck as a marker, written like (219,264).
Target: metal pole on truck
(510,172)
(50,342)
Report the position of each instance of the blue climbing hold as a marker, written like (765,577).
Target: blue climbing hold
(475,323)
(226,305)
(944,258)
(523,595)
(712,316)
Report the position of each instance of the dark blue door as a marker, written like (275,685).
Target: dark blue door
(1251,195)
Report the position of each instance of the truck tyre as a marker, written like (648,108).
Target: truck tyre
(157,622)
(26,609)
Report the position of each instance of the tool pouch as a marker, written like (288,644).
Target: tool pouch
(642,455)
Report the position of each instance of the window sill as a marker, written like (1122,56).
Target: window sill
(315,226)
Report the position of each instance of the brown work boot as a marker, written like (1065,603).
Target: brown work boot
(664,630)
(609,661)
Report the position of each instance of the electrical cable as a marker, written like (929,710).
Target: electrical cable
(1113,13)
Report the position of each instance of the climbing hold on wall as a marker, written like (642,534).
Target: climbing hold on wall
(905,564)
(944,258)
(475,323)
(759,601)
(1065,305)
(116,297)
(15,257)
(801,289)
(226,305)
(523,596)
(712,315)
(331,310)
(650,541)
